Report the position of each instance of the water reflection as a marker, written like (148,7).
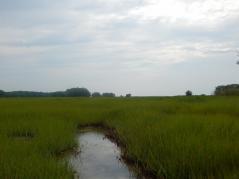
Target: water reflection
(98,158)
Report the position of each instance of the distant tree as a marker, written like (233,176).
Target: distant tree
(78,92)
(189,93)
(2,93)
(128,95)
(108,95)
(96,94)
(238,56)
(227,90)
(58,94)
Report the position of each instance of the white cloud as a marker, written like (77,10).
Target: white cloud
(197,12)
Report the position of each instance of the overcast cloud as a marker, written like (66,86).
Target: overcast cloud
(143,47)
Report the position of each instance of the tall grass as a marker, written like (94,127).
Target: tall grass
(178,137)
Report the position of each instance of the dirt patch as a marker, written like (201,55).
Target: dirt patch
(24,135)
(65,152)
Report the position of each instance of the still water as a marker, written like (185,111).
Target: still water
(98,158)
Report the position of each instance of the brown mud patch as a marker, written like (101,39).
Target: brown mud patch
(21,135)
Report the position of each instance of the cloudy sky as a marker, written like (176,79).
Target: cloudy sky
(143,47)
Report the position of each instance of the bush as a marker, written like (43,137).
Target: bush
(189,93)
(2,93)
(108,95)
(78,92)
(96,94)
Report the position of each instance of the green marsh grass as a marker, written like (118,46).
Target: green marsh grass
(176,137)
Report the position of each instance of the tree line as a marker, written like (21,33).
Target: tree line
(227,90)
(223,90)
(72,92)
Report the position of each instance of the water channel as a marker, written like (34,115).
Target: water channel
(98,158)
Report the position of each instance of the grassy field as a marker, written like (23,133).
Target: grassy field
(178,137)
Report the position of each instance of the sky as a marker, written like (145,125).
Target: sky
(142,47)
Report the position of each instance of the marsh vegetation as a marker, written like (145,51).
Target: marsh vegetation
(177,137)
